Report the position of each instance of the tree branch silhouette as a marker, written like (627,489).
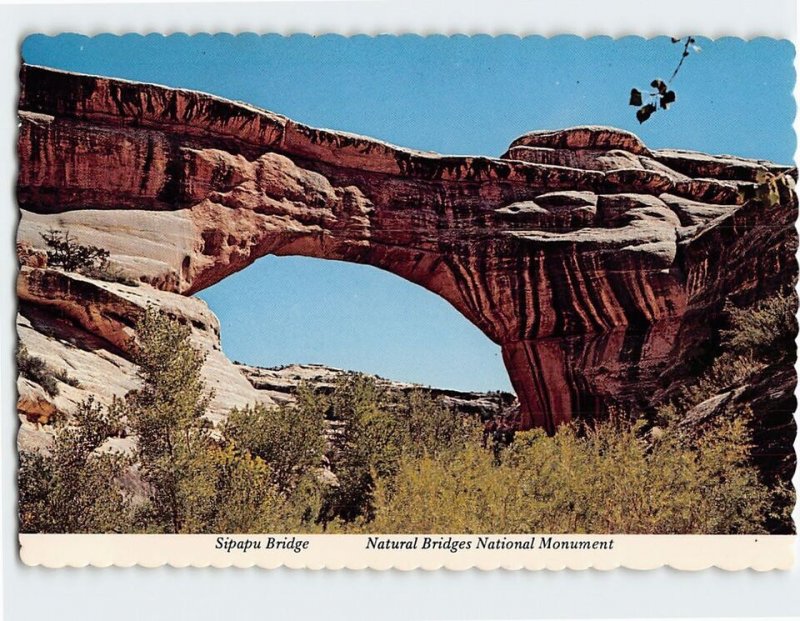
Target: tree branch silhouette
(663,95)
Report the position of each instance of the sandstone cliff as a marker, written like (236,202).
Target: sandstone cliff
(596,263)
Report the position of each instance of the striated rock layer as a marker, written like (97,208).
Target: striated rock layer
(593,261)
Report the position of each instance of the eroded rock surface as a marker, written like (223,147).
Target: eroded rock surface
(85,328)
(280,384)
(593,261)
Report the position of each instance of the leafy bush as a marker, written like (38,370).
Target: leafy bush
(247,501)
(377,432)
(431,428)
(195,481)
(604,481)
(757,337)
(411,465)
(290,438)
(75,489)
(727,371)
(765,329)
(63,376)
(368,446)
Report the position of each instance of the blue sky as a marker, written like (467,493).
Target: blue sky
(464,95)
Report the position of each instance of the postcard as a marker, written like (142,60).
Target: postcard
(406,302)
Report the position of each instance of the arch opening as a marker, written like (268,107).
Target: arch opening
(298,310)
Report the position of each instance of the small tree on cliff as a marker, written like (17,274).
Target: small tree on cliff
(63,251)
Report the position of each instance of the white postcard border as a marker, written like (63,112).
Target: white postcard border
(410,552)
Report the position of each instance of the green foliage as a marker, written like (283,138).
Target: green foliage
(757,337)
(246,500)
(431,428)
(758,340)
(75,489)
(368,446)
(768,188)
(62,376)
(64,252)
(377,434)
(37,370)
(727,371)
(290,438)
(606,480)
(763,330)
(195,479)
(400,465)
(166,416)
(91,261)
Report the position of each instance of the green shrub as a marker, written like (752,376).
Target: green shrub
(401,465)
(379,431)
(431,428)
(63,376)
(195,481)
(604,481)
(727,371)
(757,337)
(289,438)
(247,500)
(37,370)
(765,329)
(369,445)
(75,489)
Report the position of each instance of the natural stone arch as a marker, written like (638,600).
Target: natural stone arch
(579,252)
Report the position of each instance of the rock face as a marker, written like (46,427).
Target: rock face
(593,261)
(84,327)
(280,384)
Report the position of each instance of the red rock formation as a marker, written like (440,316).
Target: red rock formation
(580,252)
